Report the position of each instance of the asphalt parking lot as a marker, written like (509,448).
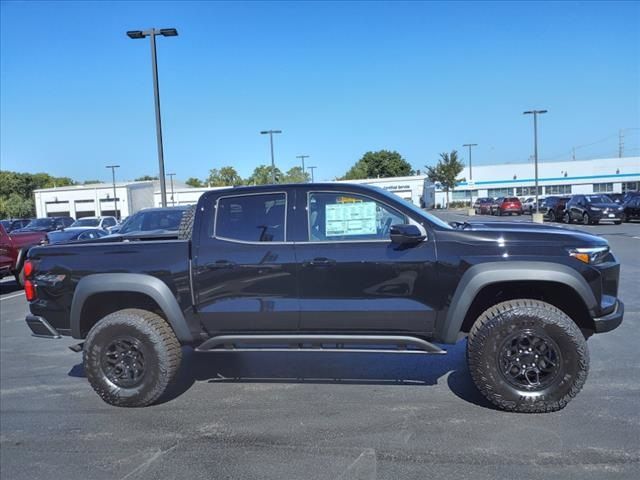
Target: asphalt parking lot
(326,416)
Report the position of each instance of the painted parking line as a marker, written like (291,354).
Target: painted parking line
(13,295)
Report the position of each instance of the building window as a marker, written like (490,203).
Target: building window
(557,189)
(527,191)
(602,187)
(464,194)
(630,187)
(500,192)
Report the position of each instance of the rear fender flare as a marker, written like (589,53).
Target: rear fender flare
(479,276)
(129,282)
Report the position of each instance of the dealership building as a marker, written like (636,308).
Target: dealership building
(604,175)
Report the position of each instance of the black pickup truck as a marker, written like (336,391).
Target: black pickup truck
(332,268)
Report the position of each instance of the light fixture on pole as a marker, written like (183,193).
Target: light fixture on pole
(470,145)
(302,157)
(273,162)
(152,33)
(312,169)
(171,175)
(535,114)
(115,197)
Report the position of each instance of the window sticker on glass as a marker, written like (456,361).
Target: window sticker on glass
(350,219)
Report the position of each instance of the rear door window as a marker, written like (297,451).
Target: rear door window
(252,218)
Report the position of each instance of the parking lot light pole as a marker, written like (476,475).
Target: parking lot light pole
(470,145)
(171,175)
(115,197)
(152,33)
(535,114)
(302,157)
(312,169)
(273,162)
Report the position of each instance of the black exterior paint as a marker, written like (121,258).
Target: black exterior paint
(225,287)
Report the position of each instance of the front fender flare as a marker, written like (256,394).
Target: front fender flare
(129,282)
(479,276)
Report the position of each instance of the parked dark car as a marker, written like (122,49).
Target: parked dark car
(552,208)
(631,209)
(506,206)
(482,205)
(153,221)
(618,198)
(331,268)
(48,224)
(15,224)
(72,234)
(592,209)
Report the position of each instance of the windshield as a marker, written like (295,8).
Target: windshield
(431,218)
(598,199)
(40,223)
(86,222)
(153,220)
(6,223)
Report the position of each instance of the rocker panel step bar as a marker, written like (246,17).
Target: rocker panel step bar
(319,343)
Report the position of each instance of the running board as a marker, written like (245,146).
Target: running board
(319,343)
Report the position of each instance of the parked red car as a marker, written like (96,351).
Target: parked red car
(507,205)
(482,205)
(13,251)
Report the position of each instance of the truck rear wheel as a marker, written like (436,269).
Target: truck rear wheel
(130,357)
(527,356)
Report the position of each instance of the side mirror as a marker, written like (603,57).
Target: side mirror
(406,233)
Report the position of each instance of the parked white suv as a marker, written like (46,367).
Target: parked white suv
(97,222)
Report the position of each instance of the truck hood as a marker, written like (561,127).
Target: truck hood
(526,233)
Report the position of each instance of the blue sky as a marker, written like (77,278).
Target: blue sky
(338,78)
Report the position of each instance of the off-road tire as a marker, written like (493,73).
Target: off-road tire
(499,323)
(185,229)
(160,350)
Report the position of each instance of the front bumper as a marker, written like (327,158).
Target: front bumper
(617,216)
(611,320)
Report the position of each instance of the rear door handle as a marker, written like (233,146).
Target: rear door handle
(220,264)
(322,262)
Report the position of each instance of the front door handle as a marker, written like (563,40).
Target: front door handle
(220,264)
(322,262)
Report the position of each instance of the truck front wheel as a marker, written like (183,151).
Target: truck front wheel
(130,357)
(527,356)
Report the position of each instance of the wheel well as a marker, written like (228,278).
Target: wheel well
(557,294)
(99,305)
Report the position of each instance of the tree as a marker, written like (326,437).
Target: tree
(446,171)
(89,182)
(16,206)
(380,164)
(146,178)
(224,177)
(262,175)
(296,175)
(194,182)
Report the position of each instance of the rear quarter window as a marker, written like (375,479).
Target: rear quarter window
(251,218)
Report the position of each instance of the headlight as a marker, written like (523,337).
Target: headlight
(596,209)
(589,255)
(620,208)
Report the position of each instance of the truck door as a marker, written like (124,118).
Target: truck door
(353,278)
(244,266)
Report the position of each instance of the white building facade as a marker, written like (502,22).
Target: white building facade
(607,175)
(79,201)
